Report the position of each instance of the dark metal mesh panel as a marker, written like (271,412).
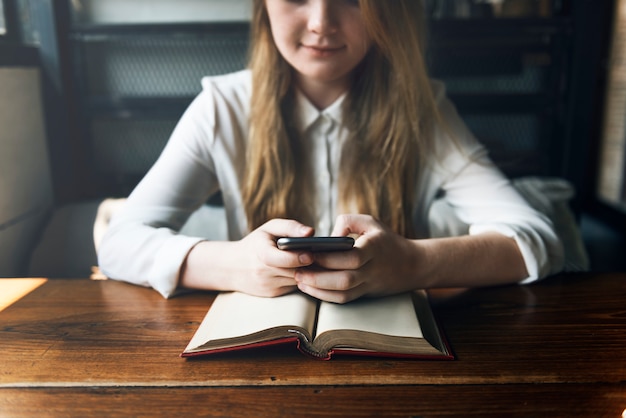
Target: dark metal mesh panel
(152,66)
(128,147)
(155,65)
(519,132)
(514,141)
(530,80)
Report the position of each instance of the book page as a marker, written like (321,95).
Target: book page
(391,315)
(235,314)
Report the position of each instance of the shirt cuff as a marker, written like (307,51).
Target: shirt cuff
(541,258)
(164,273)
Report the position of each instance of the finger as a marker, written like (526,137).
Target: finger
(286,228)
(353,224)
(332,295)
(284,290)
(337,280)
(274,283)
(287,259)
(341,260)
(283,277)
(275,291)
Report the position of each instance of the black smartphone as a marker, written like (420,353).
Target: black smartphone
(315,244)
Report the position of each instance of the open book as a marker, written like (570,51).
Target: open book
(397,326)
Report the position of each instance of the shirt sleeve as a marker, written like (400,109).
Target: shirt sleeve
(484,198)
(142,244)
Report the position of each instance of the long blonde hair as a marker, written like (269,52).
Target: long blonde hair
(390,114)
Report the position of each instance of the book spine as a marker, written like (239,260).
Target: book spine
(305,346)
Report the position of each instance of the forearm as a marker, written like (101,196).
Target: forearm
(472,260)
(251,265)
(209,266)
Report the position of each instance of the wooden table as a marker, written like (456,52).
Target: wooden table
(105,348)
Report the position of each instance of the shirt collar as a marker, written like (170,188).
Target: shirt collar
(307,113)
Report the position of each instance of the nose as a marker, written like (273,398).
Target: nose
(322,19)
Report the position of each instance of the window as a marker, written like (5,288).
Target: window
(612,175)
(3,26)
(158,11)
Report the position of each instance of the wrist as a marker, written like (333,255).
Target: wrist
(204,266)
(423,263)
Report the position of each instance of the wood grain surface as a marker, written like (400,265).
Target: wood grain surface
(555,344)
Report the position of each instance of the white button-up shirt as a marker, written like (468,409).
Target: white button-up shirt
(324,138)
(206,154)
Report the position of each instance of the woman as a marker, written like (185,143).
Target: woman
(335,129)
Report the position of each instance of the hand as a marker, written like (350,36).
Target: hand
(252,265)
(381,262)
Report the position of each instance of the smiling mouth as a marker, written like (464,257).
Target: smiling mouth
(322,51)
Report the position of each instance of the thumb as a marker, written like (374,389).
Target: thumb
(286,228)
(353,225)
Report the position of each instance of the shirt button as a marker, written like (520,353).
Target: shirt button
(326,125)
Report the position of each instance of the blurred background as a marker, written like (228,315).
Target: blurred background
(90,91)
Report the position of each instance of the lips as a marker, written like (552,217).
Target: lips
(323,50)
(323,47)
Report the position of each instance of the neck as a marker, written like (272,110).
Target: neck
(322,94)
